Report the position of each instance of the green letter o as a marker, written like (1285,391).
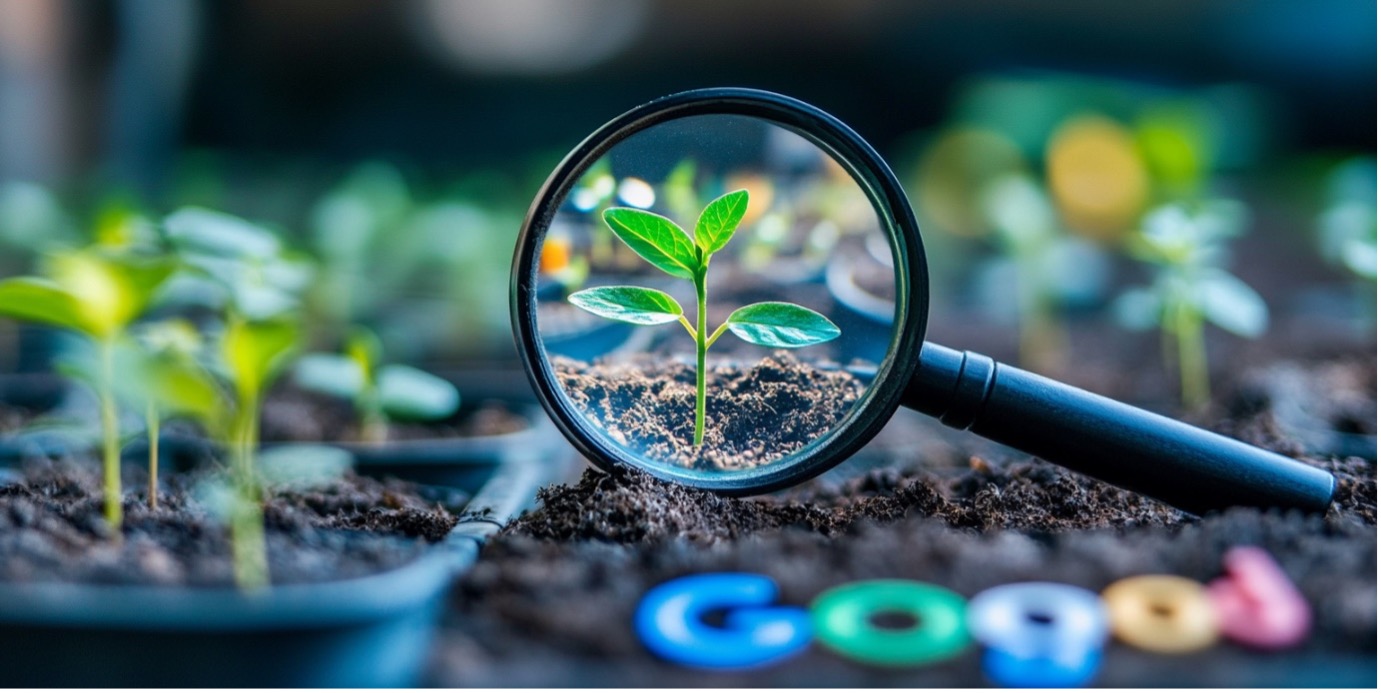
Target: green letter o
(842,619)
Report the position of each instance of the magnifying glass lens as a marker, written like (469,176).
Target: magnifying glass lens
(683,305)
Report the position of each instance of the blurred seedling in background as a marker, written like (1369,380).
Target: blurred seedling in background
(1041,265)
(1347,229)
(668,247)
(159,373)
(256,285)
(232,262)
(1187,249)
(381,393)
(96,293)
(352,226)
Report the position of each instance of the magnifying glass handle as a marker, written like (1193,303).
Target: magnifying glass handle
(1187,467)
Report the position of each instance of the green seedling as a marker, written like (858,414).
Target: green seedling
(356,227)
(258,286)
(1191,287)
(157,372)
(96,294)
(165,378)
(1347,229)
(664,244)
(1051,268)
(380,393)
(230,261)
(253,353)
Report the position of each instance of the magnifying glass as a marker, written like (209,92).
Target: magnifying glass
(701,223)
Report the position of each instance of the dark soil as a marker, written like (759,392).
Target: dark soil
(52,529)
(292,414)
(551,601)
(753,415)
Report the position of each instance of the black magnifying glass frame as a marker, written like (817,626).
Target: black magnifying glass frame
(875,178)
(1187,467)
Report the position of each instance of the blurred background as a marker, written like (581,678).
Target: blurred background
(397,144)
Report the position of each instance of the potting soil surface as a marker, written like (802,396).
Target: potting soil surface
(52,528)
(754,414)
(551,601)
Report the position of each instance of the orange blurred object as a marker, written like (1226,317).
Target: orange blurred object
(556,255)
(1096,177)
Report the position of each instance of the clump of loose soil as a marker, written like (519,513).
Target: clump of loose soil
(52,529)
(293,414)
(754,415)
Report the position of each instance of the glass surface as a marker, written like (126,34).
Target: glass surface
(777,377)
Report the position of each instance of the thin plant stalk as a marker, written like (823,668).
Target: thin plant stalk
(373,421)
(114,513)
(700,348)
(247,524)
(1193,358)
(151,423)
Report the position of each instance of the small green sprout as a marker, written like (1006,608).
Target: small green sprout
(156,372)
(381,393)
(1347,228)
(165,378)
(1191,287)
(664,244)
(1051,267)
(97,294)
(258,284)
(253,352)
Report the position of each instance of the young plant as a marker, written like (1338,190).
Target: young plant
(1347,230)
(157,373)
(257,284)
(664,244)
(165,378)
(1191,287)
(380,393)
(96,294)
(1050,267)
(253,353)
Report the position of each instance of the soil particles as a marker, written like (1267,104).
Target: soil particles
(753,415)
(551,602)
(52,528)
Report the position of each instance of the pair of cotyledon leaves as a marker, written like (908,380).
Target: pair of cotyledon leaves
(669,248)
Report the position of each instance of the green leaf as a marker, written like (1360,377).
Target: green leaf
(332,374)
(219,234)
(109,292)
(655,238)
(774,324)
(632,304)
(254,351)
(39,300)
(719,221)
(1138,309)
(408,393)
(183,387)
(1229,303)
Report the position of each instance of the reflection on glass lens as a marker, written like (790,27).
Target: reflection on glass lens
(714,294)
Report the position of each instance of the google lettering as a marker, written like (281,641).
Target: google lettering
(1032,633)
